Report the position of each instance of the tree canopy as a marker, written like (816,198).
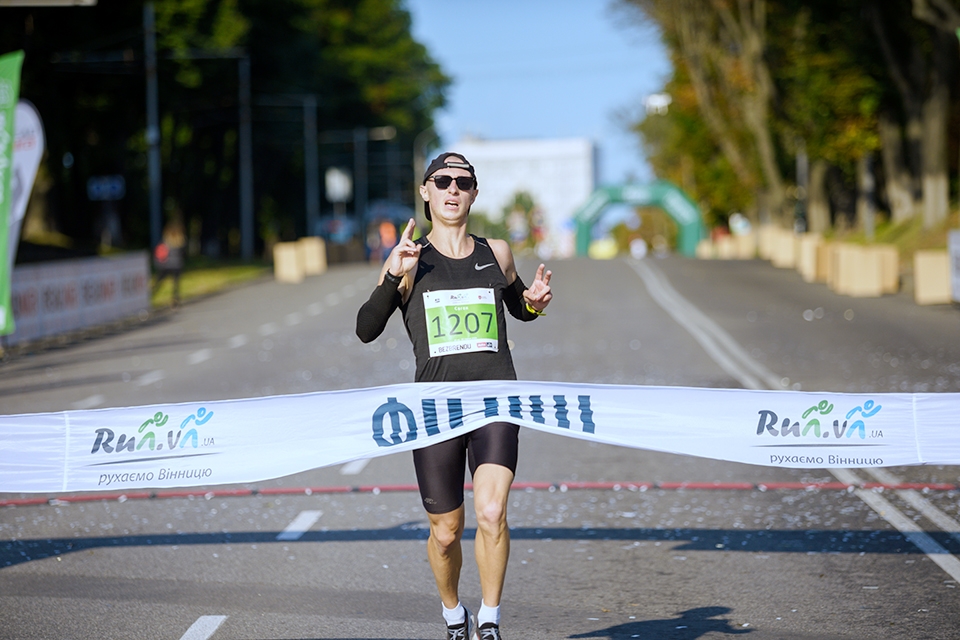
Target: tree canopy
(761,85)
(84,70)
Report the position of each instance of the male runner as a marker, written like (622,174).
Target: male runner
(445,263)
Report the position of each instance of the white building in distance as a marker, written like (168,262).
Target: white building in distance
(559,174)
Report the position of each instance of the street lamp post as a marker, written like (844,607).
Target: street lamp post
(153,123)
(311,163)
(246,162)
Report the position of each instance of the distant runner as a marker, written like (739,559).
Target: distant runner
(451,287)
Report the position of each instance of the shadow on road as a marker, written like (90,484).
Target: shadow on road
(14,552)
(689,625)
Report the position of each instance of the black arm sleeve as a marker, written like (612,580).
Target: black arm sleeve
(373,315)
(516,305)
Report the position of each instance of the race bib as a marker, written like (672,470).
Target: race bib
(461,321)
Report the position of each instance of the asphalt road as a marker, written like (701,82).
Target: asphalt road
(642,554)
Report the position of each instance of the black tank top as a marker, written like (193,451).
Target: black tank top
(461,321)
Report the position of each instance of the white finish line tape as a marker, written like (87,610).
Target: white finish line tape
(254,439)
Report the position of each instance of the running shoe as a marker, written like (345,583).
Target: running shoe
(465,631)
(490,631)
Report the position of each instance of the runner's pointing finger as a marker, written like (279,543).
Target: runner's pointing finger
(540,269)
(408,231)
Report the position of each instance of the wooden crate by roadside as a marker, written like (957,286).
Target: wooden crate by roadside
(857,271)
(931,277)
(868,280)
(746,246)
(807,246)
(726,248)
(313,255)
(889,267)
(825,260)
(784,254)
(833,260)
(765,241)
(705,250)
(286,263)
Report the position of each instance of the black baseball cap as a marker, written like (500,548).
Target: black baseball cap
(443,161)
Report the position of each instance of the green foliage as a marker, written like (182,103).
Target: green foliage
(185,26)
(85,72)
(826,71)
(680,149)
(524,222)
(829,84)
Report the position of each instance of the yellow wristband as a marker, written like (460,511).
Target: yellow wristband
(534,311)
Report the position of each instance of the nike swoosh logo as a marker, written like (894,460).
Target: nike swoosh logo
(481,267)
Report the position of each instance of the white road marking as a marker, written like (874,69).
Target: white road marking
(203,628)
(355,467)
(725,351)
(293,319)
(718,344)
(150,378)
(199,356)
(268,328)
(89,402)
(237,341)
(300,525)
(348,291)
(331,299)
(918,502)
(920,538)
(315,309)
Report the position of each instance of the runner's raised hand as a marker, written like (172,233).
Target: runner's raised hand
(404,257)
(538,295)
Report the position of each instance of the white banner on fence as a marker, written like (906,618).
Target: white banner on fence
(55,297)
(231,441)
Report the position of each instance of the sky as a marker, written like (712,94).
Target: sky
(545,69)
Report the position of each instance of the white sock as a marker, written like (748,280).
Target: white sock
(454,616)
(488,614)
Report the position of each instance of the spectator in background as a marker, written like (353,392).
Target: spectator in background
(388,238)
(168,256)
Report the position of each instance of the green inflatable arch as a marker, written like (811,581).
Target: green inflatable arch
(656,194)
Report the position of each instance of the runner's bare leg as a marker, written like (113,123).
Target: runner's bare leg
(445,554)
(491,489)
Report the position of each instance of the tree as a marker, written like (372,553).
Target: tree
(524,221)
(944,17)
(917,65)
(828,93)
(84,71)
(681,149)
(362,62)
(722,44)
(776,78)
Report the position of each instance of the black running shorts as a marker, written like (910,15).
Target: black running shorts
(440,467)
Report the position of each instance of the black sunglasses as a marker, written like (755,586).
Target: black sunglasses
(464,183)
